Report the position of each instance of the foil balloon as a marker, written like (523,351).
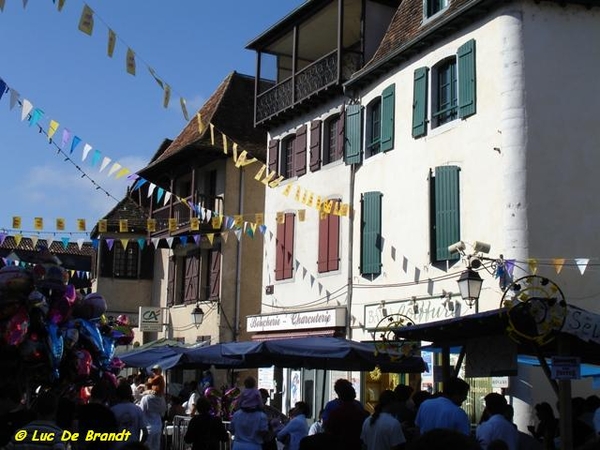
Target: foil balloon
(17,326)
(92,306)
(229,403)
(123,335)
(214,397)
(122,319)
(71,336)
(116,365)
(56,344)
(83,363)
(91,334)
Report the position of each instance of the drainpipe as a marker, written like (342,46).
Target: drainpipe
(350,250)
(238,262)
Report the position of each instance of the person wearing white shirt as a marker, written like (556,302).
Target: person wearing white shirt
(497,427)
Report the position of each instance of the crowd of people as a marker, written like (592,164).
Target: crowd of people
(401,420)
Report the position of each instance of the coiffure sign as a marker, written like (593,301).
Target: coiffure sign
(323,318)
(150,318)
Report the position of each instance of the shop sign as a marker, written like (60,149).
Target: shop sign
(323,318)
(150,318)
(566,368)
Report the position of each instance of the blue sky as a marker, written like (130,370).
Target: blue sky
(191,44)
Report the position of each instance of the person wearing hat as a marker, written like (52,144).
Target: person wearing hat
(249,423)
(157,380)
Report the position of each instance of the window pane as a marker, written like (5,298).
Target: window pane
(446,87)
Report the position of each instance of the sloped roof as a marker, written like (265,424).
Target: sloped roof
(56,247)
(127,208)
(231,110)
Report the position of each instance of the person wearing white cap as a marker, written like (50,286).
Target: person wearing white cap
(157,380)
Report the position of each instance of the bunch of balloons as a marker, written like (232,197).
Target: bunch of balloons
(223,405)
(58,333)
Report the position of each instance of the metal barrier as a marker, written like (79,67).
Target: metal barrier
(174,435)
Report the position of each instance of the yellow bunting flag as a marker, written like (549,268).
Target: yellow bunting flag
(287,189)
(166,96)
(558,264)
(310,199)
(210,237)
(52,128)
(16,222)
(151,225)
(124,243)
(184,110)
(238,220)
(280,218)
(305,197)
(2,5)
(172,224)
(123,226)
(121,173)
(38,223)
(86,21)
(259,218)
(301,215)
(61,4)
(327,206)
(259,174)
(201,126)
(60,224)
(130,62)
(297,195)
(102,226)
(319,203)
(194,223)
(80,224)
(242,160)
(216,221)
(336,208)
(344,208)
(112,40)
(212,134)
(17,238)
(533,265)
(224,143)
(224,236)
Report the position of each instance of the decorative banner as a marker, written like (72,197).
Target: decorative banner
(102,226)
(172,224)
(533,265)
(558,264)
(60,224)
(123,226)
(301,215)
(80,224)
(86,22)
(52,128)
(130,62)
(194,224)
(112,39)
(151,225)
(582,264)
(38,223)
(16,222)
(184,110)
(279,218)
(259,218)
(166,96)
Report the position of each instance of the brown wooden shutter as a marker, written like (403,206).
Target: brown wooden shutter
(333,251)
(214,284)
(323,243)
(279,251)
(288,262)
(315,145)
(171,282)
(274,155)
(300,151)
(341,136)
(191,281)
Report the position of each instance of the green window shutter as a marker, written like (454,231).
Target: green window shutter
(387,118)
(467,105)
(353,138)
(370,261)
(419,123)
(447,212)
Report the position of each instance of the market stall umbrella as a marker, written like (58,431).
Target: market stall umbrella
(165,356)
(213,356)
(321,352)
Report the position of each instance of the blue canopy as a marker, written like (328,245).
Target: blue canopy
(166,357)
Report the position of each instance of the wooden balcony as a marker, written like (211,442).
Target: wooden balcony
(313,79)
(183,212)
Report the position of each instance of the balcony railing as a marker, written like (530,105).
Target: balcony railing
(308,81)
(183,212)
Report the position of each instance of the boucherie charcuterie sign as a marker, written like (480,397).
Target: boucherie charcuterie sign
(322,318)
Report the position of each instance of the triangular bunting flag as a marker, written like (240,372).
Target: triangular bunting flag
(582,264)
(169,242)
(296,264)
(151,188)
(238,234)
(49,242)
(2,238)
(201,126)
(130,62)
(158,80)
(66,135)
(197,238)
(155,242)
(65,241)
(124,243)
(76,140)
(26,109)
(167,197)
(262,229)
(112,39)
(109,243)
(86,151)
(533,265)
(558,264)
(121,173)
(105,162)
(116,166)
(34,241)
(80,243)
(96,157)
(210,237)
(159,194)
(17,238)
(36,115)
(224,236)
(52,128)
(141,243)
(95,244)
(166,95)
(250,231)
(14,98)
(184,108)
(183,240)
(312,280)
(304,272)
(86,21)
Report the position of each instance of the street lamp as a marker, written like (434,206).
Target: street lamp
(469,284)
(197,315)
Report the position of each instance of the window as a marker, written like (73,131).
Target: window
(371,243)
(284,247)
(332,139)
(373,128)
(453,90)
(329,242)
(194,277)
(126,260)
(445,212)
(444,103)
(434,6)
(287,157)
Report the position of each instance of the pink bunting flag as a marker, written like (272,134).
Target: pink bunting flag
(66,135)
